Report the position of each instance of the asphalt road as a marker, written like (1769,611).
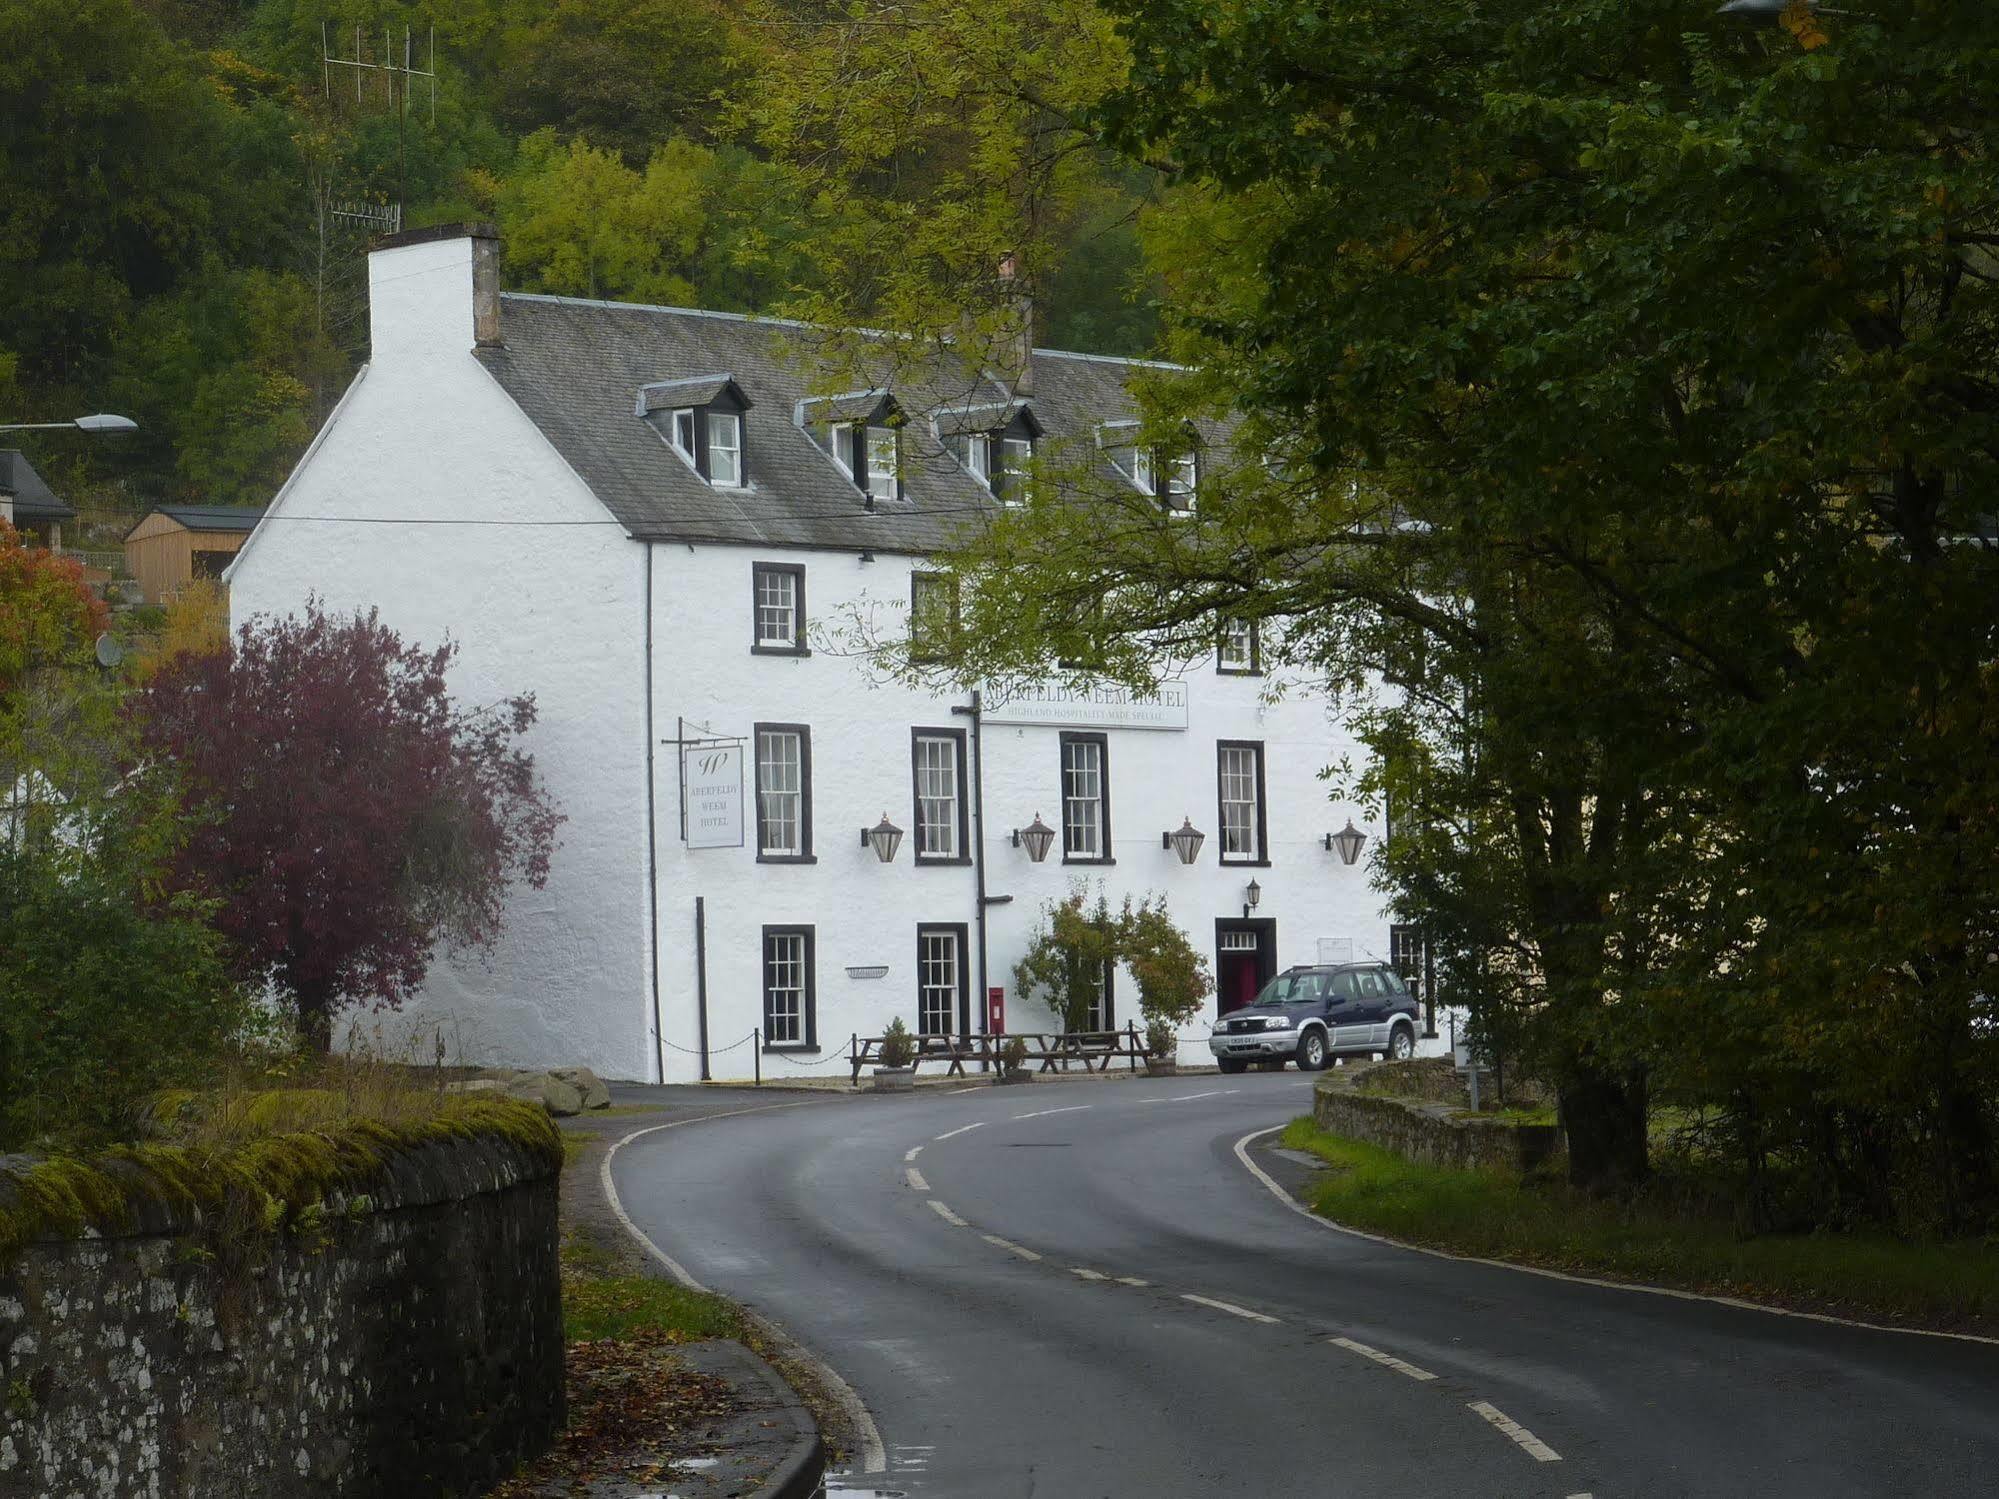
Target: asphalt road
(1020,1316)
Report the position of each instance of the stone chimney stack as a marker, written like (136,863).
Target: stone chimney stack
(1018,346)
(434,293)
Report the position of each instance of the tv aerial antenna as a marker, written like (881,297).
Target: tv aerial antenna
(396,78)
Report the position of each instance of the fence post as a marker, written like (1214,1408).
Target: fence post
(1131,1029)
(757,1053)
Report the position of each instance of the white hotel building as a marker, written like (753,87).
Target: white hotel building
(641,515)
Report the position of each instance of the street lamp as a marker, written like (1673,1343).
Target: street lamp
(1348,840)
(884,838)
(1252,898)
(103,421)
(1036,838)
(1186,842)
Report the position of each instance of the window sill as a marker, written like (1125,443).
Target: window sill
(1239,671)
(926,861)
(791,1048)
(780,650)
(1077,859)
(763,858)
(1245,863)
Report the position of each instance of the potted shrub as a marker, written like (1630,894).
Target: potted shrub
(1173,980)
(897,1072)
(1013,1061)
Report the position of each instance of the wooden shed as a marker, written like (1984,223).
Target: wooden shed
(174,544)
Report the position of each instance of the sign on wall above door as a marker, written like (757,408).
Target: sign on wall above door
(1094,705)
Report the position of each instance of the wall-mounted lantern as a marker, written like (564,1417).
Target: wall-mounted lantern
(1348,841)
(1037,837)
(1252,897)
(1186,842)
(884,838)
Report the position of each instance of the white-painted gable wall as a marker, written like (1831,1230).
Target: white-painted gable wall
(429,496)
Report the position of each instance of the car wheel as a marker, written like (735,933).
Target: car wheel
(1232,1065)
(1401,1044)
(1312,1051)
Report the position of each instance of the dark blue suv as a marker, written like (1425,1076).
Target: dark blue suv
(1311,1015)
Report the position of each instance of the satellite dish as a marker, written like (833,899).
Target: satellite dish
(110,650)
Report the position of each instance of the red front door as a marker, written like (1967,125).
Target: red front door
(1236,984)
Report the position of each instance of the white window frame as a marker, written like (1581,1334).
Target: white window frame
(783,782)
(1183,482)
(884,485)
(788,1018)
(1239,793)
(940,973)
(1085,769)
(683,435)
(1141,469)
(1238,651)
(937,773)
(978,458)
(1010,473)
(790,608)
(842,439)
(729,424)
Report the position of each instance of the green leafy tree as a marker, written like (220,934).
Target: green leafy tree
(579,222)
(1069,961)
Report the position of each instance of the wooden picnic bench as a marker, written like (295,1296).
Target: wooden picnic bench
(1056,1051)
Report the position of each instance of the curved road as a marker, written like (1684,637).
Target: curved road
(1077,1289)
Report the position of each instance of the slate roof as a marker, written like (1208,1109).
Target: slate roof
(208,517)
(576,368)
(33,499)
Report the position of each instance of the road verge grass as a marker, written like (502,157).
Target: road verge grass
(1540,1221)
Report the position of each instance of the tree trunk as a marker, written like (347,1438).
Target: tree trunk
(1603,1117)
(315,1019)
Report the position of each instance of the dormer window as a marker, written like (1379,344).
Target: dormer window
(994,443)
(1172,474)
(862,434)
(702,420)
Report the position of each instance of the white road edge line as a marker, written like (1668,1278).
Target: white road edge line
(916,1181)
(947,1215)
(874,1456)
(1008,1245)
(1074,1108)
(1398,1365)
(1227,1306)
(1532,1445)
(958,1131)
(912,1153)
(1277,1191)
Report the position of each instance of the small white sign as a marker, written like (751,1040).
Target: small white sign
(1336,949)
(711,777)
(1092,705)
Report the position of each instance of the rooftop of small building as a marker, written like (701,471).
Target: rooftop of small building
(33,499)
(229,518)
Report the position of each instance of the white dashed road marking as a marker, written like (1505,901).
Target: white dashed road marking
(1010,1247)
(912,1153)
(1074,1108)
(1532,1445)
(1088,1274)
(1383,1358)
(961,1129)
(1226,1306)
(1132,1280)
(947,1215)
(916,1181)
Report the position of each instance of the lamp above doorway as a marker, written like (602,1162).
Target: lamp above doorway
(1252,897)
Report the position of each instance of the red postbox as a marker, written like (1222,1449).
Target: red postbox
(996,1012)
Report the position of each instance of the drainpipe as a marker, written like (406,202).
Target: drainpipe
(658,1062)
(701,978)
(979,843)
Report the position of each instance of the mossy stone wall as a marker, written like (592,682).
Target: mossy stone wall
(1433,1134)
(400,1335)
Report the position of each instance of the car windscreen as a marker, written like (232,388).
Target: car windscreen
(1294,989)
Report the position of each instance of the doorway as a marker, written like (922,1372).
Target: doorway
(1245,960)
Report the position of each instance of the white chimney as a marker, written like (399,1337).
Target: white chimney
(434,293)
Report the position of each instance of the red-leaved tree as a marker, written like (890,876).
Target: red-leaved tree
(347,814)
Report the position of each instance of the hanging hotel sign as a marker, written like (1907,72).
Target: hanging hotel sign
(711,787)
(1091,705)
